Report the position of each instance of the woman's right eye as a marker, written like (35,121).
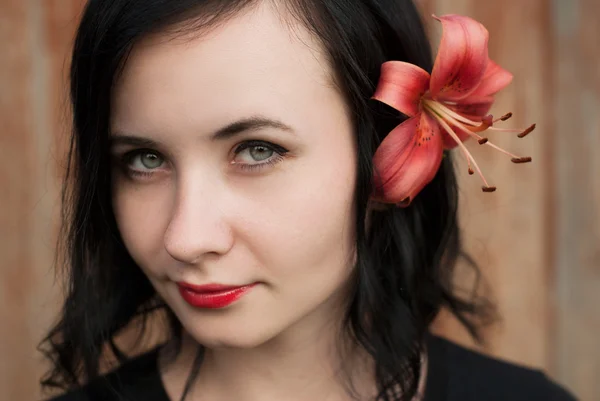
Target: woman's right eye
(142,161)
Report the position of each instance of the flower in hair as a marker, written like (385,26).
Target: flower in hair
(444,109)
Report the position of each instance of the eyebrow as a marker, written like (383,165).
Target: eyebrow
(248,124)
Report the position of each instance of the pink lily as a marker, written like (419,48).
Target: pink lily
(444,109)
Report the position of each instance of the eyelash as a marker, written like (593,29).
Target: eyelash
(279,153)
(278,156)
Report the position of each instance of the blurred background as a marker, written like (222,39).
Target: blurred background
(537,239)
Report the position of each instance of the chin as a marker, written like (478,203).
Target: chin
(229,338)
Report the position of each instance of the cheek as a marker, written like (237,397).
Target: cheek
(141,213)
(307,224)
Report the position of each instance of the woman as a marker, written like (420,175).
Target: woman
(222,171)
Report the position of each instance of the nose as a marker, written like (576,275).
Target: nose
(198,226)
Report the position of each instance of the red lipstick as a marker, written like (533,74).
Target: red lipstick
(212,296)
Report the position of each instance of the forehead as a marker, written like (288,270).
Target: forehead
(257,57)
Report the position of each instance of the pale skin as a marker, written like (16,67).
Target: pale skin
(279,212)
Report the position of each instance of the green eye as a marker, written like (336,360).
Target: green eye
(260,153)
(150,160)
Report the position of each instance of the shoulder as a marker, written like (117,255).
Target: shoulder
(136,379)
(469,375)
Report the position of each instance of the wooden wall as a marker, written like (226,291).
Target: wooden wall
(537,238)
(34,39)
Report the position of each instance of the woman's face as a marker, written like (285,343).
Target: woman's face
(235,164)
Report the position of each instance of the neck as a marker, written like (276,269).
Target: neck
(311,360)
(303,363)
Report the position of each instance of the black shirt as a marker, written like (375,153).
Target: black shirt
(454,374)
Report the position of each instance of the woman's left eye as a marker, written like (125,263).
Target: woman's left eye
(257,154)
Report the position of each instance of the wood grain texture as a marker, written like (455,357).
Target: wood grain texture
(36,36)
(577,192)
(17,173)
(537,239)
(505,231)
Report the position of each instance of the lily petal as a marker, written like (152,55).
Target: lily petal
(394,150)
(407,160)
(401,86)
(462,58)
(473,107)
(494,80)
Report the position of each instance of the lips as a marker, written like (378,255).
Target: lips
(212,296)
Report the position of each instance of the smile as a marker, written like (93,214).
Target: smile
(212,296)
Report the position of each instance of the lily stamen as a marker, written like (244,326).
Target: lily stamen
(522,132)
(527,131)
(504,117)
(442,109)
(454,117)
(466,152)
(433,106)
(484,141)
